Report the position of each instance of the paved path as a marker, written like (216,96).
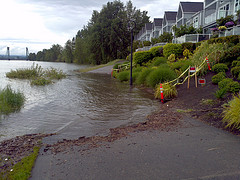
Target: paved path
(195,151)
(103,70)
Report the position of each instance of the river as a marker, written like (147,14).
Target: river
(82,104)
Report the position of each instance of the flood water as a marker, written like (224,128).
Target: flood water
(83,104)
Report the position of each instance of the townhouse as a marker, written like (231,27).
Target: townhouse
(198,14)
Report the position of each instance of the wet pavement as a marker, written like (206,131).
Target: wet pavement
(194,151)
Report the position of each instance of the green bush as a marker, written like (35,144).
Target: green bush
(142,57)
(134,76)
(220,93)
(160,75)
(141,79)
(157,61)
(116,66)
(224,83)
(124,76)
(220,67)
(233,87)
(235,71)
(170,48)
(218,77)
(156,51)
(169,91)
(188,45)
(238,77)
(10,100)
(231,113)
(233,39)
(137,69)
(235,63)
(230,54)
(181,65)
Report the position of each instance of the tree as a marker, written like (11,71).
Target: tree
(68,52)
(166,37)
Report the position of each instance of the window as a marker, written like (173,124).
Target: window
(237,5)
(195,22)
(223,11)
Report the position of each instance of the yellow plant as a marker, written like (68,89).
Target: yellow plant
(172,58)
(231,113)
(221,28)
(169,91)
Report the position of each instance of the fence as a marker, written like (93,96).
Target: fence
(194,38)
(235,30)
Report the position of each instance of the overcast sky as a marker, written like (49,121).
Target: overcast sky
(38,24)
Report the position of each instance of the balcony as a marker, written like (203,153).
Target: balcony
(210,19)
(194,38)
(224,13)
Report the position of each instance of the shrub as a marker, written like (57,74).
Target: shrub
(137,69)
(238,77)
(124,76)
(181,65)
(235,71)
(158,61)
(156,51)
(233,39)
(220,93)
(233,87)
(224,83)
(169,91)
(230,54)
(186,53)
(141,79)
(231,113)
(172,58)
(53,73)
(134,76)
(218,77)
(170,48)
(213,51)
(116,66)
(10,100)
(188,45)
(142,57)
(235,63)
(219,68)
(160,75)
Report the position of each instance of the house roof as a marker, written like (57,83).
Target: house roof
(170,15)
(157,21)
(192,6)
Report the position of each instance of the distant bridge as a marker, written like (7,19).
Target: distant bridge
(7,56)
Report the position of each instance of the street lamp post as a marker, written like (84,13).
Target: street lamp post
(131,56)
(132,27)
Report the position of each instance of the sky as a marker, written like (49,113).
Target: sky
(38,24)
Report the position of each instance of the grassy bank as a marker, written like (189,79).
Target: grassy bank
(37,75)
(164,64)
(10,100)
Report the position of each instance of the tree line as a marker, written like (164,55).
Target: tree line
(106,37)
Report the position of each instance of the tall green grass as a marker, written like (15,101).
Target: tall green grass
(160,75)
(231,113)
(37,75)
(10,100)
(142,76)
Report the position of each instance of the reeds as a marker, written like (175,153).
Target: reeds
(10,100)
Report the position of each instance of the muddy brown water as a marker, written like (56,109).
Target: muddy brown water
(83,104)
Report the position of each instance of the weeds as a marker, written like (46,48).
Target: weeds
(37,75)
(231,113)
(209,102)
(10,101)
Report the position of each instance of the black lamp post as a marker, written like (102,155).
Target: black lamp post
(131,27)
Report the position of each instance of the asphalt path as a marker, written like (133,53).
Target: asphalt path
(194,151)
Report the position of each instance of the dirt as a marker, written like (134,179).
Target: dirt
(189,102)
(13,150)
